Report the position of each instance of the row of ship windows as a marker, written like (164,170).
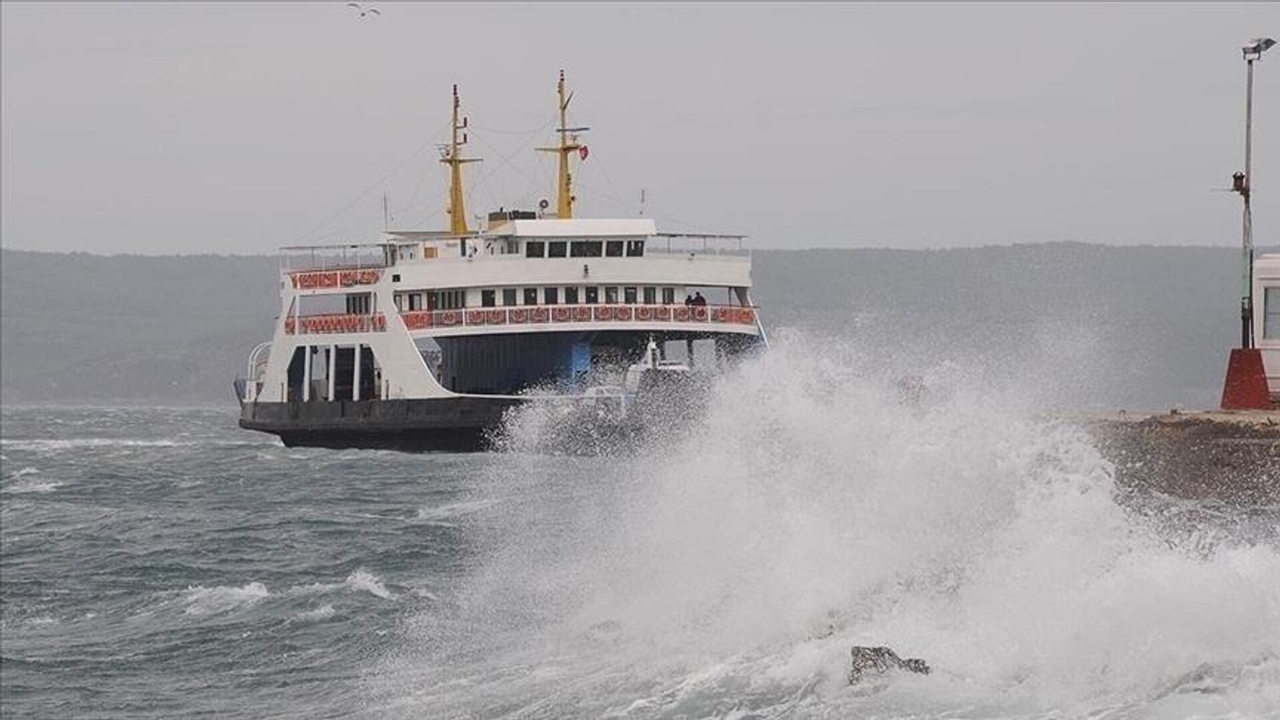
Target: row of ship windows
(571,295)
(583,248)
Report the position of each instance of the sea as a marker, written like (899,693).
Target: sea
(160,562)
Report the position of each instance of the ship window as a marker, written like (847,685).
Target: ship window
(593,294)
(585,248)
(611,294)
(358,304)
(635,248)
(534,248)
(399,302)
(557,248)
(1271,314)
(613,248)
(488,298)
(531,296)
(668,296)
(415,301)
(551,295)
(508,296)
(629,295)
(571,295)
(650,295)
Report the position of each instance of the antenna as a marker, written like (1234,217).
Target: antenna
(386,216)
(568,144)
(450,156)
(642,201)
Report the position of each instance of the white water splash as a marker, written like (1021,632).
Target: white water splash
(222,598)
(730,571)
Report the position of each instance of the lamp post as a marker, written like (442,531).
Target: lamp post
(1242,183)
(1246,383)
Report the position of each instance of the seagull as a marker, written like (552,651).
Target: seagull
(363,11)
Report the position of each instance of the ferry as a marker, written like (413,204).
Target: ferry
(425,339)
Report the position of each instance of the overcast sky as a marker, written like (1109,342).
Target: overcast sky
(240,127)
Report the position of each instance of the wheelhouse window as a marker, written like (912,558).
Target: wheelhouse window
(358,304)
(1271,313)
(415,301)
(531,296)
(611,294)
(613,248)
(508,296)
(629,295)
(650,295)
(571,295)
(586,248)
(557,248)
(635,248)
(446,300)
(668,296)
(551,295)
(488,298)
(534,248)
(593,294)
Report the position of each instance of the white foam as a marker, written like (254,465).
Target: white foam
(810,511)
(364,581)
(222,598)
(452,510)
(323,612)
(33,486)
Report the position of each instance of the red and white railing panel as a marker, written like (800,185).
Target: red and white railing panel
(334,279)
(329,324)
(557,314)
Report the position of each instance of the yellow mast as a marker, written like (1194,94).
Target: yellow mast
(457,213)
(568,144)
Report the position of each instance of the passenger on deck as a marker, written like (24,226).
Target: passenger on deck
(699,300)
(688,299)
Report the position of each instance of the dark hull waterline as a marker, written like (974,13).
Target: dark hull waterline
(443,424)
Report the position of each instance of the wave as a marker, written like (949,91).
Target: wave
(730,569)
(222,598)
(33,486)
(359,581)
(49,445)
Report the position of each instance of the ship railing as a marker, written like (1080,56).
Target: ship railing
(697,245)
(569,314)
(247,388)
(334,323)
(301,258)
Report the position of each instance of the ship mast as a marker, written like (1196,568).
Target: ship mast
(457,213)
(568,144)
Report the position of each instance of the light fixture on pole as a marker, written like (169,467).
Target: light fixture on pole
(1246,386)
(1241,183)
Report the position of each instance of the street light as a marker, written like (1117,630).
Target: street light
(1246,384)
(1241,183)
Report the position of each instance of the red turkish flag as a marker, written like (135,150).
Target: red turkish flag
(583,152)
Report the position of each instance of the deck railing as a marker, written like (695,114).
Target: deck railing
(565,314)
(329,324)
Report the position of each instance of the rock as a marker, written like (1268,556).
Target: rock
(880,660)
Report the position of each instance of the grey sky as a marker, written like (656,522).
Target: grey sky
(239,127)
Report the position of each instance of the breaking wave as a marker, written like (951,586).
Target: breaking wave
(728,569)
(208,601)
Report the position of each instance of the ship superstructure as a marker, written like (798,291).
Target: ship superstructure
(424,339)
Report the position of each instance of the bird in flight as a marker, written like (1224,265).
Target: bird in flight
(363,11)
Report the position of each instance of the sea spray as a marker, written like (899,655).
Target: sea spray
(729,568)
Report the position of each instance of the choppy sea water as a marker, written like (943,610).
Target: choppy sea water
(163,563)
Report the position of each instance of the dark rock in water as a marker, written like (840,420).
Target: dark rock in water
(880,660)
